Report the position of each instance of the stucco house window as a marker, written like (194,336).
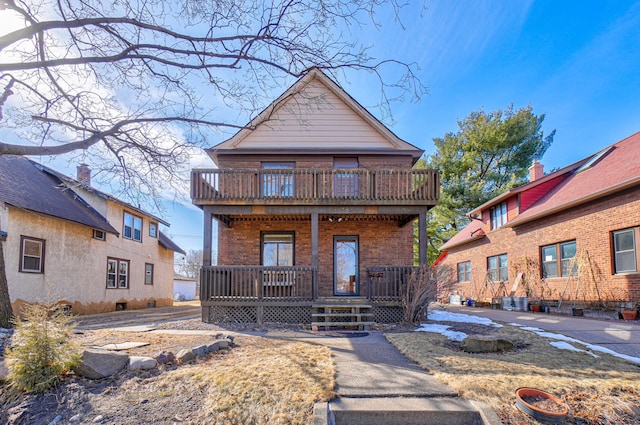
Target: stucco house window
(132,227)
(464,271)
(497,267)
(31,255)
(117,273)
(148,274)
(498,215)
(557,259)
(153,230)
(625,250)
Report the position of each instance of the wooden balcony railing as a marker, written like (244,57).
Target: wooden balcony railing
(388,283)
(310,186)
(257,283)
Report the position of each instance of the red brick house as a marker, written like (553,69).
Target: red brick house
(575,233)
(315,202)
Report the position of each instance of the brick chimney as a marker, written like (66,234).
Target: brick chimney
(84,174)
(536,171)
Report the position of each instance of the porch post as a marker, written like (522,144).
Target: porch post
(208,235)
(315,262)
(422,238)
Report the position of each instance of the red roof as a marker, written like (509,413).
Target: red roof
(614,168)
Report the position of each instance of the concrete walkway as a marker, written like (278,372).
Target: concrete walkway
(617,335)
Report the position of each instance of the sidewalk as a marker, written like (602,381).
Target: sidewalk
(620,336)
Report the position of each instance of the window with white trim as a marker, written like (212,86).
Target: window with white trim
(153,229)
(31,255)
(117,273)
(132,227)
(498,215)
(625,250)
(557,259)
(148,274)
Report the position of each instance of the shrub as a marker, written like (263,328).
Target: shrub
(42,348)
(420,290)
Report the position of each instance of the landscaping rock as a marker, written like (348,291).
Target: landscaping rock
(223,343)
(142,363)
(75,419)
(483,344)
(214,346)
(200,350)
(97,364)
(185,355)
(166,357)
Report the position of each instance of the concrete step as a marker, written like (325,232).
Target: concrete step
(408,411)
(326,325)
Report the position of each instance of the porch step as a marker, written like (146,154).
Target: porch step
(342,313)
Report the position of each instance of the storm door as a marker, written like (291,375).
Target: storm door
(345,265)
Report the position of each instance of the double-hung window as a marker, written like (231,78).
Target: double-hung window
(132,227)
(557,259)
(498,215)
(117,273)
(497,268)
(464,271)
(279,182)
(31,255)
(153,230)
(625,250)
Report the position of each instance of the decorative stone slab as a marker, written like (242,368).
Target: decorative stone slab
(98,364)
(483,344)
(123,346)
(139,328)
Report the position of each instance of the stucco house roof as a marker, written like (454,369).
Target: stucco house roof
(166,242)
(614,168)
(24,185)
(320,116)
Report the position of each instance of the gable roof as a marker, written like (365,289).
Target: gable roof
(166,242)
(307,106)
(24,185)
(615,168)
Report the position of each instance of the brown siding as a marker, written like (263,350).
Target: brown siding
(590,225)
(313,161)
(381,243)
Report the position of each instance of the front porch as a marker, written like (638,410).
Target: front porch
(260,294)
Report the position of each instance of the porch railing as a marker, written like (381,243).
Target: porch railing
(409,186)
(388,283)
(257,283)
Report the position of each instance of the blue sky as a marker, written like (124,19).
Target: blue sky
(576,62)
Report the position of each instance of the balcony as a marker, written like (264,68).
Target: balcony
(410,187)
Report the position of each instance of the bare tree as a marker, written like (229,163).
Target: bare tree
(189,264)
(136,84)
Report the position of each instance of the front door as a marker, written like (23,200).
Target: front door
(345,265)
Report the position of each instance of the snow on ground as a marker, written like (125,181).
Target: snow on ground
(559,341)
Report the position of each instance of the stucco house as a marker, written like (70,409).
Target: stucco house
(68,243)
(315,202)
(575,232)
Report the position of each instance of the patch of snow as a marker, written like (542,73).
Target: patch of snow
(442,330)
(445,316)
(566,346)
(613,353)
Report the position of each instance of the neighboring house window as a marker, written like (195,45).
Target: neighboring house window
(98,234)
(497,267)
(132,227)
(148,274)
(464,271)
(557,259)
(117,273)
(153,230)
(278,183)
(625,250)
(31,255)
(498,215)
(277,249)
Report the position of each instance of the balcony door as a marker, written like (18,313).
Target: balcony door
(345,184)
(279,183)
(345,265)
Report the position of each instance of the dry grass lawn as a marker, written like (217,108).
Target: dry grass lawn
(603,390)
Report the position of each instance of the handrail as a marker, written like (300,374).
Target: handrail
(314,184)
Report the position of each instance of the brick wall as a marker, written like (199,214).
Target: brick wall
(589,225)
(381,243)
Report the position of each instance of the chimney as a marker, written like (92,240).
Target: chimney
(84,174)
(536,171)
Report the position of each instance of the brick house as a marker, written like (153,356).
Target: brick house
(67,242)
(573,233)
(315,202)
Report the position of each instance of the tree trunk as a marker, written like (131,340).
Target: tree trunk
(6,312)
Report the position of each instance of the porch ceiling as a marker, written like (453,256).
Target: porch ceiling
(401,219)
